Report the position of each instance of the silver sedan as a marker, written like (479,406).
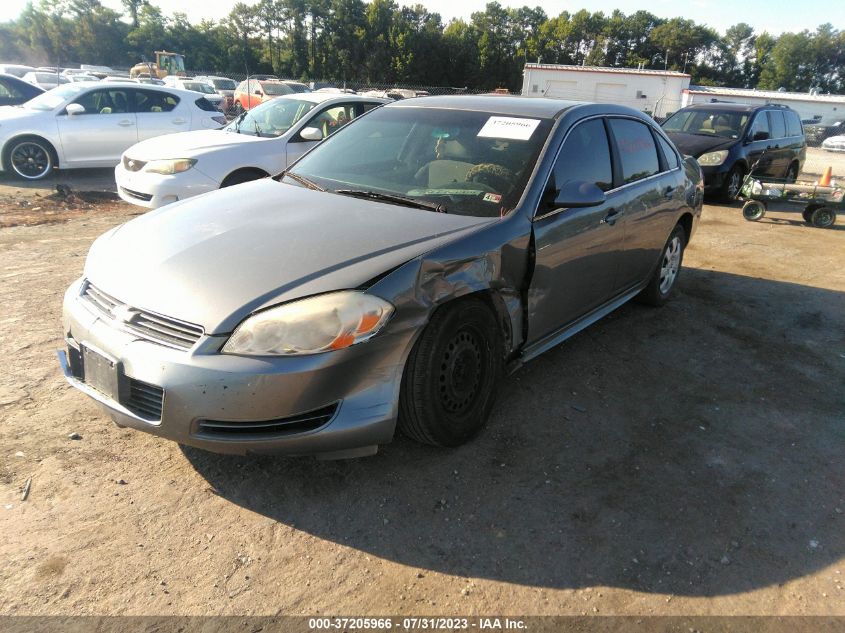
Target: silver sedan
(388,278)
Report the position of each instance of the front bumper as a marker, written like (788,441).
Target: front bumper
(156,190)
(714,177)
(358,387)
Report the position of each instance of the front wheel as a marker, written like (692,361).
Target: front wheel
(31,158)
(733,183)
(448,387)
(753,210)
(665,276)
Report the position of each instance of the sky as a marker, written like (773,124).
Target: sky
(774,16)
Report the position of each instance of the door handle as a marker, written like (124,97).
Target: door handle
(611,217)
(179,121)
(669,191)
(125,123)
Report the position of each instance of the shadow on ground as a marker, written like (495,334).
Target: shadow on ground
(693,450)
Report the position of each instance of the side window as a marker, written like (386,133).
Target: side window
(668,153)
(332,119)
(154,101)
(8,90)
(793,123)
(585,156)
(637,150)
(778,126)
(760,124)
(366,107)
(106,101)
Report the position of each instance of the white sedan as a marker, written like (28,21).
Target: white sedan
(834,143)
(262,141)
(91,124)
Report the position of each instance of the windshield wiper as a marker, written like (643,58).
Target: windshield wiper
(239,120)
(394,198)
(302,180)
(257,129)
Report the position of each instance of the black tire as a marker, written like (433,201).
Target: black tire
(660,286)
(30,158)
(753,210)
(792,173)
(823,217)
(807,214)
(732,183)
(450,379)
(243,175)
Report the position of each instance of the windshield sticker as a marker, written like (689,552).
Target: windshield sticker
(492,197)
(509,127)
(445,192)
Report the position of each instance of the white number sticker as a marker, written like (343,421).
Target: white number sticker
(509,128)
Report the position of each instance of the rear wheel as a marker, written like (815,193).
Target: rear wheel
(665,276)
(733,183)
(823,217)
(448,387)
(753,210)
(792,173)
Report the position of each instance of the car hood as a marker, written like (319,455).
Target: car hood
(188,144)
(12,113)
(213,259)
(696,144)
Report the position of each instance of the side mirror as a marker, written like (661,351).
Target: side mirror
(258,93)
(576,194)
(311,134)
(74,109)
(760,136)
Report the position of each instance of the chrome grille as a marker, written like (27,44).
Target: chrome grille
(133,164)
(147,325)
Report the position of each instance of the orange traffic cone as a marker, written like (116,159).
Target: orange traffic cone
(824,181)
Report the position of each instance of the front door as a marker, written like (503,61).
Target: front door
(103,132)
(577,250)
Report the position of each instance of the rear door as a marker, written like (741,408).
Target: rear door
(159,112)
(103,132)
(650,198)
(577,250)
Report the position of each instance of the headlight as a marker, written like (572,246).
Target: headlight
(310,326)
(169,167)
(711,159)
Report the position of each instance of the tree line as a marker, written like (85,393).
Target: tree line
(382,42)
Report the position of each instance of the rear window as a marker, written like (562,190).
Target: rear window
(205,104)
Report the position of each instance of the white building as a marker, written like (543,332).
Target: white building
(808,106)
(655,91)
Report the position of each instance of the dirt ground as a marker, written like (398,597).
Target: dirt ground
(683,460)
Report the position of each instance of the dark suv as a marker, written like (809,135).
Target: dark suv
(729,139)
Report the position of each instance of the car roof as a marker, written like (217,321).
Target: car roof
(516,106)
(733,107)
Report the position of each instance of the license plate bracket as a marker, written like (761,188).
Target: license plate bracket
(101,373)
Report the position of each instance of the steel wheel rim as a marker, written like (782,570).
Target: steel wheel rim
(734,184)
(669,264)
(460,372)
(824,218)
(30,160)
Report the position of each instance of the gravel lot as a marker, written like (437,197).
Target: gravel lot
(686,460)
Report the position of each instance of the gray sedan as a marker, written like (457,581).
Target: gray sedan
(386,280)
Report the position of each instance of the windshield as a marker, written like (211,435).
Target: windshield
(471,163)
(272,118)
(297,87)
(275,88)
(707,123)
(55,97)
(198,86)
(223,84)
